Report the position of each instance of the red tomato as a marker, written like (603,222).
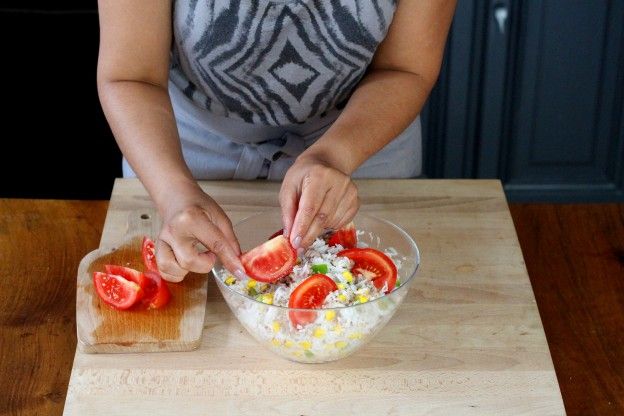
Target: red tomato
(155,290)
(277,233)
(128,274)
(270,261)
(157,294)
(311,294)
(374,265)
(116,291)
(149,254)
(345,236)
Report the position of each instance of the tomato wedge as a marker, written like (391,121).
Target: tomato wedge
(344,236)
(311,294)
(276,234)
(148,251)
(157,293)
(128,274)
(374,265)
(270,261)
(116,291)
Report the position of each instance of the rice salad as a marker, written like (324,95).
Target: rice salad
(348,317)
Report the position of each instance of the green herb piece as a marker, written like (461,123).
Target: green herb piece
(320,268)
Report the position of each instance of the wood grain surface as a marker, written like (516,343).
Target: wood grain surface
(467,340)
(575,256)
(176,327)
(42,241)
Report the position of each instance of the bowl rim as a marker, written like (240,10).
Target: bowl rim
(336,308)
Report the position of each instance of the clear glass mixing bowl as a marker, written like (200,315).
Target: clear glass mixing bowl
(337,332)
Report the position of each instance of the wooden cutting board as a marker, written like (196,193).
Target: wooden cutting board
(176,327)
(468,339)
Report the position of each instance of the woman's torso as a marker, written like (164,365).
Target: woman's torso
(274,63)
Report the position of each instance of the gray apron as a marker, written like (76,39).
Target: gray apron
(253,83)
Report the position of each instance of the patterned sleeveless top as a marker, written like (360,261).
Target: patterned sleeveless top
(274,62)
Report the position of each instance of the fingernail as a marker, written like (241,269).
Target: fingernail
(285,232)
(300,251)
(240,274)
(297,241)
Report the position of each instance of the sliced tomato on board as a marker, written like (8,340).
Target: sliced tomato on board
(157,293)
(310,294)
(276,234)
(148,251)
(116,291)
(270,261)
(128,274)
(344,236)
(374,265)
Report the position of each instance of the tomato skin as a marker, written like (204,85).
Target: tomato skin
(155,291)
(276,234)
(270,261)
(345,236)
(310,294)
(148,252)
(159,294)
(116,291)
(128,274)
(373,263)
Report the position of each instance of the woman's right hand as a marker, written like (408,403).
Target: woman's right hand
(190,217)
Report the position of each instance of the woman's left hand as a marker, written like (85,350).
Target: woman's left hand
(315,196)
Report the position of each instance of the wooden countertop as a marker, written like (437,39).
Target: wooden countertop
(574,254)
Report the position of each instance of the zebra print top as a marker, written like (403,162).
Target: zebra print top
(274,62)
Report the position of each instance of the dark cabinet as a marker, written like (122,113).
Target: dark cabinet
(532,91)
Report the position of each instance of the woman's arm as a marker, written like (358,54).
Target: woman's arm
(391,95)
(133,69)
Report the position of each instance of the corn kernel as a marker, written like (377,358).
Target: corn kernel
(347,276)
(306,345)
(337,329)
(362,298)
(342,298)
(319,332)
(341,286)
(267,298)
(355,335)
(230,280)
(276,326)
(341,344)
(288,343)
(330,315)
(297,353)
(275,342)
(251,283)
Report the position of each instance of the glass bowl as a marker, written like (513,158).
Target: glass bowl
(336,332)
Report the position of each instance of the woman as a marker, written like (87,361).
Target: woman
(313,92)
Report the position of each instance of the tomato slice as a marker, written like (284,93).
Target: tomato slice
(128,274)
(311,294)
(157,293)
(270,261)
(374,265)
(148,251)
(116,291)
(344,236)
(277,233)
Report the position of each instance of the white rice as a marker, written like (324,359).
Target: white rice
(335,332)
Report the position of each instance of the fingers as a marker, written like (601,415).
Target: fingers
(177,250)
(288,203)
(216,242)
(323,218)
(313,192)
(168,266)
